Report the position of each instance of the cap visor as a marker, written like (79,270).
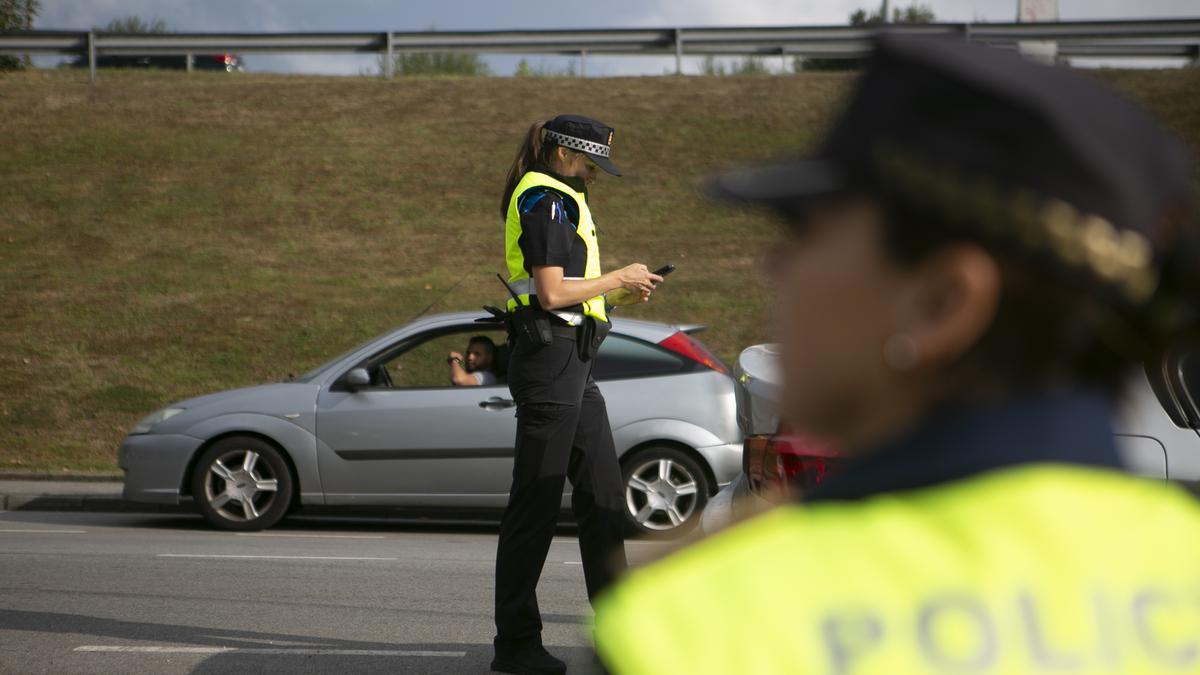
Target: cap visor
(605,163)
(777,183)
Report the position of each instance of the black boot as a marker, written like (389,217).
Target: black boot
(529,658)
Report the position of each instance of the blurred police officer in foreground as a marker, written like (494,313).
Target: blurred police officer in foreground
(980,253)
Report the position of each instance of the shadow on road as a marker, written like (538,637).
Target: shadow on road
(438,658)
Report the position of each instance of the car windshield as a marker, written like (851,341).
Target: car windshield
(317,371)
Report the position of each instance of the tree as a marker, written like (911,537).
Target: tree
(133,24)
(526,69)
(751,65)
(440,63)
(17,15)
(712,66)
(126,24)
(915,13)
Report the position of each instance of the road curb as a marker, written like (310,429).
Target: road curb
(84,502)
(65,477)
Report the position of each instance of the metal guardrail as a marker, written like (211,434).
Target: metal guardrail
(1118,39)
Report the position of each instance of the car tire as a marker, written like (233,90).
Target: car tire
(665,490)
(242,483)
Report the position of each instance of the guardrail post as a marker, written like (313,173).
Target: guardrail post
(191,60)
(91,47)
(389,63)
(678,51)
(583,63)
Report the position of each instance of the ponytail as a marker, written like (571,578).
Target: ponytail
(532,151)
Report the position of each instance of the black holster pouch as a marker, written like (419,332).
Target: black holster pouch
(591,334)
(529,328)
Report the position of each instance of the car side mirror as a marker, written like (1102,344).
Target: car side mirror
(359,377)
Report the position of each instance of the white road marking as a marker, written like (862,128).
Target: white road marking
(121,649)
(311,536)
(26,530)
(572,562)
(268,557)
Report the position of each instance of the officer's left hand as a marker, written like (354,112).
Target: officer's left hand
(623,296)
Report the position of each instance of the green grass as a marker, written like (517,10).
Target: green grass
(165,235)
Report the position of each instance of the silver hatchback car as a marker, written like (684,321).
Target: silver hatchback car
(381,426)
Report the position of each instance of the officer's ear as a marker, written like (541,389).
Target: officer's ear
(951,303)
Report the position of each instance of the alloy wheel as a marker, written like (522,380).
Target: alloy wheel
(239,487)
(661,494)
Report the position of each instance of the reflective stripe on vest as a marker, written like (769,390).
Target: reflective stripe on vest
(1036,569)
(525,288)
(585,228)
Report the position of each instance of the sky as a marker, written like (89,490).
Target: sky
(406,15)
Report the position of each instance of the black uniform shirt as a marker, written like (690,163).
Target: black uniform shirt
(548,222)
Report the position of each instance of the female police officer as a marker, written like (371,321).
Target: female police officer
(562,424)
(982,251)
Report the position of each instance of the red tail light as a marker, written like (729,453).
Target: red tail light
(689,347)
(784,467)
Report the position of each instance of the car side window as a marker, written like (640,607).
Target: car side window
(424,366)
(622,357)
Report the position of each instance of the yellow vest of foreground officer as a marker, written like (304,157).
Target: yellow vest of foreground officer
(518,276)
(1040,569)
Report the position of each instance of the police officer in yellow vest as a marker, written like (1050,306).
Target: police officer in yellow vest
(562,423)
(980,254)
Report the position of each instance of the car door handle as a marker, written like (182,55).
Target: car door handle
(497,403)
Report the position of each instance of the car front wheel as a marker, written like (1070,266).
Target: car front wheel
(665,491)
(242,483)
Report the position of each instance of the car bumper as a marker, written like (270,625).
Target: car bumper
(154,466)
(725,461)
(735,502)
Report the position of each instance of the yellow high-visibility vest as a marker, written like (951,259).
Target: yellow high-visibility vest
(1044,568)
(518,277)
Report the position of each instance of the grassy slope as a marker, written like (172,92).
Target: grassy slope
(163,236)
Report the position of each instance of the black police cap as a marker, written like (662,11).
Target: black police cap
(589,136)
(1046,159)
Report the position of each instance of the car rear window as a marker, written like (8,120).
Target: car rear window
(622,357)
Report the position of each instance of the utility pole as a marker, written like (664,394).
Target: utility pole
(885,11)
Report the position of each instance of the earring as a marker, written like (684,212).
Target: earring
(900,352)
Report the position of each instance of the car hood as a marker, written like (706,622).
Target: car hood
(274,399)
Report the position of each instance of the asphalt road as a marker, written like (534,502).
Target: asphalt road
(139,593)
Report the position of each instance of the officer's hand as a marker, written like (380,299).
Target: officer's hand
(624,296)
(638,278)
(454,355)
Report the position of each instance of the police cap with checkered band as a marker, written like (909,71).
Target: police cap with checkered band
(584,134)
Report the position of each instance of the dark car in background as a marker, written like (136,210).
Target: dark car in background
(230,63)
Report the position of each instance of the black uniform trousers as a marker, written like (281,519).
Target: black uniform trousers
(562,431)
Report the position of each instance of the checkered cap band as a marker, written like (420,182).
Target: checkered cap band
(578,143)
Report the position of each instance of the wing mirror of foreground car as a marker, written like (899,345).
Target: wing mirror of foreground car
(358,378)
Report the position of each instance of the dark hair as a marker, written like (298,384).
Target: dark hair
(482,339)
(1050,329)
(534,150)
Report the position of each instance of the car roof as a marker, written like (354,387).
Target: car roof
(651,331)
